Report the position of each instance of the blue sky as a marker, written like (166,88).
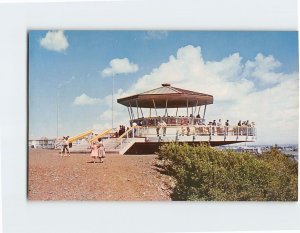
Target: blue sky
(64,65)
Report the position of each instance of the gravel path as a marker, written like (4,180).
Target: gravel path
(126,177)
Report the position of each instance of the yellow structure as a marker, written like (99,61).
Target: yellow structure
(79,136)
(100,135)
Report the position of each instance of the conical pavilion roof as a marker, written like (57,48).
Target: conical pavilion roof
(167,96)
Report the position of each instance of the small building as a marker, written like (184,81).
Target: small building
(42,143)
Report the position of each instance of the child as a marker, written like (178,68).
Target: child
(94,151)
(101,150)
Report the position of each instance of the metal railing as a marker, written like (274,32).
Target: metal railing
(170,120)
(188,130)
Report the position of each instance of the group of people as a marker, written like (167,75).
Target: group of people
(219,123)
(121,130)
(97,151)
(246,123)
(245,127)
(215,127)
(161,124)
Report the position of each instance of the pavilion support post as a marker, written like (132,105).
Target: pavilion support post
(204,112)
(187,107)
(194,113)
(142,112)
(176,111)
(137,109)
(199,110)
(154,106)
(129,113)
(166,110)
(132,114)
(150,112)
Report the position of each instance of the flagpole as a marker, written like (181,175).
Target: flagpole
(112,102)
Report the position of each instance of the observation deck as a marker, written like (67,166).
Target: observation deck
(188,126)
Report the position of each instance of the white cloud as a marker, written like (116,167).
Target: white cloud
(156,35)
(263,69)
(250,90)
(55,40)
(84,99)
(120,66)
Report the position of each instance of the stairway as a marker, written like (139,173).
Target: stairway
(127,143)
(82,147)
(112,145)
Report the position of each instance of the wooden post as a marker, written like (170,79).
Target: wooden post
(199,110)
(154,106)
(187,107)
(166,110)
(131,111)
(137,109)
(142,112)
(194,113)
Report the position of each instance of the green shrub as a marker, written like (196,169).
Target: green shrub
(204,173)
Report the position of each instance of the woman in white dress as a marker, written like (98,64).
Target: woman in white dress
(101,150)
(94,152)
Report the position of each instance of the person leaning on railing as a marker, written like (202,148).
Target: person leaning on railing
(182,127)
(134,125)
(219,127)
(158,126)
(226,127)
(164,127)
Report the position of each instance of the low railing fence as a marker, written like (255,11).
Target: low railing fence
(188,130)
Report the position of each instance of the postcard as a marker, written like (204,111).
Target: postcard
(163,115)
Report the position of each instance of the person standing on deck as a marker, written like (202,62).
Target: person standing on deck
(134,125)
(164,127)
(214,124)
(158,126)
(227,126)
(219,127)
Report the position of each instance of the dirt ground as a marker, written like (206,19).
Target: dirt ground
(120,177)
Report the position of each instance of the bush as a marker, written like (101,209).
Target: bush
(204,173)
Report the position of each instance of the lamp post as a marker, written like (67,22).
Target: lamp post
(57,111)
(112,102)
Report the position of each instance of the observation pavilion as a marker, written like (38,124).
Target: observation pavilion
(148,132)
